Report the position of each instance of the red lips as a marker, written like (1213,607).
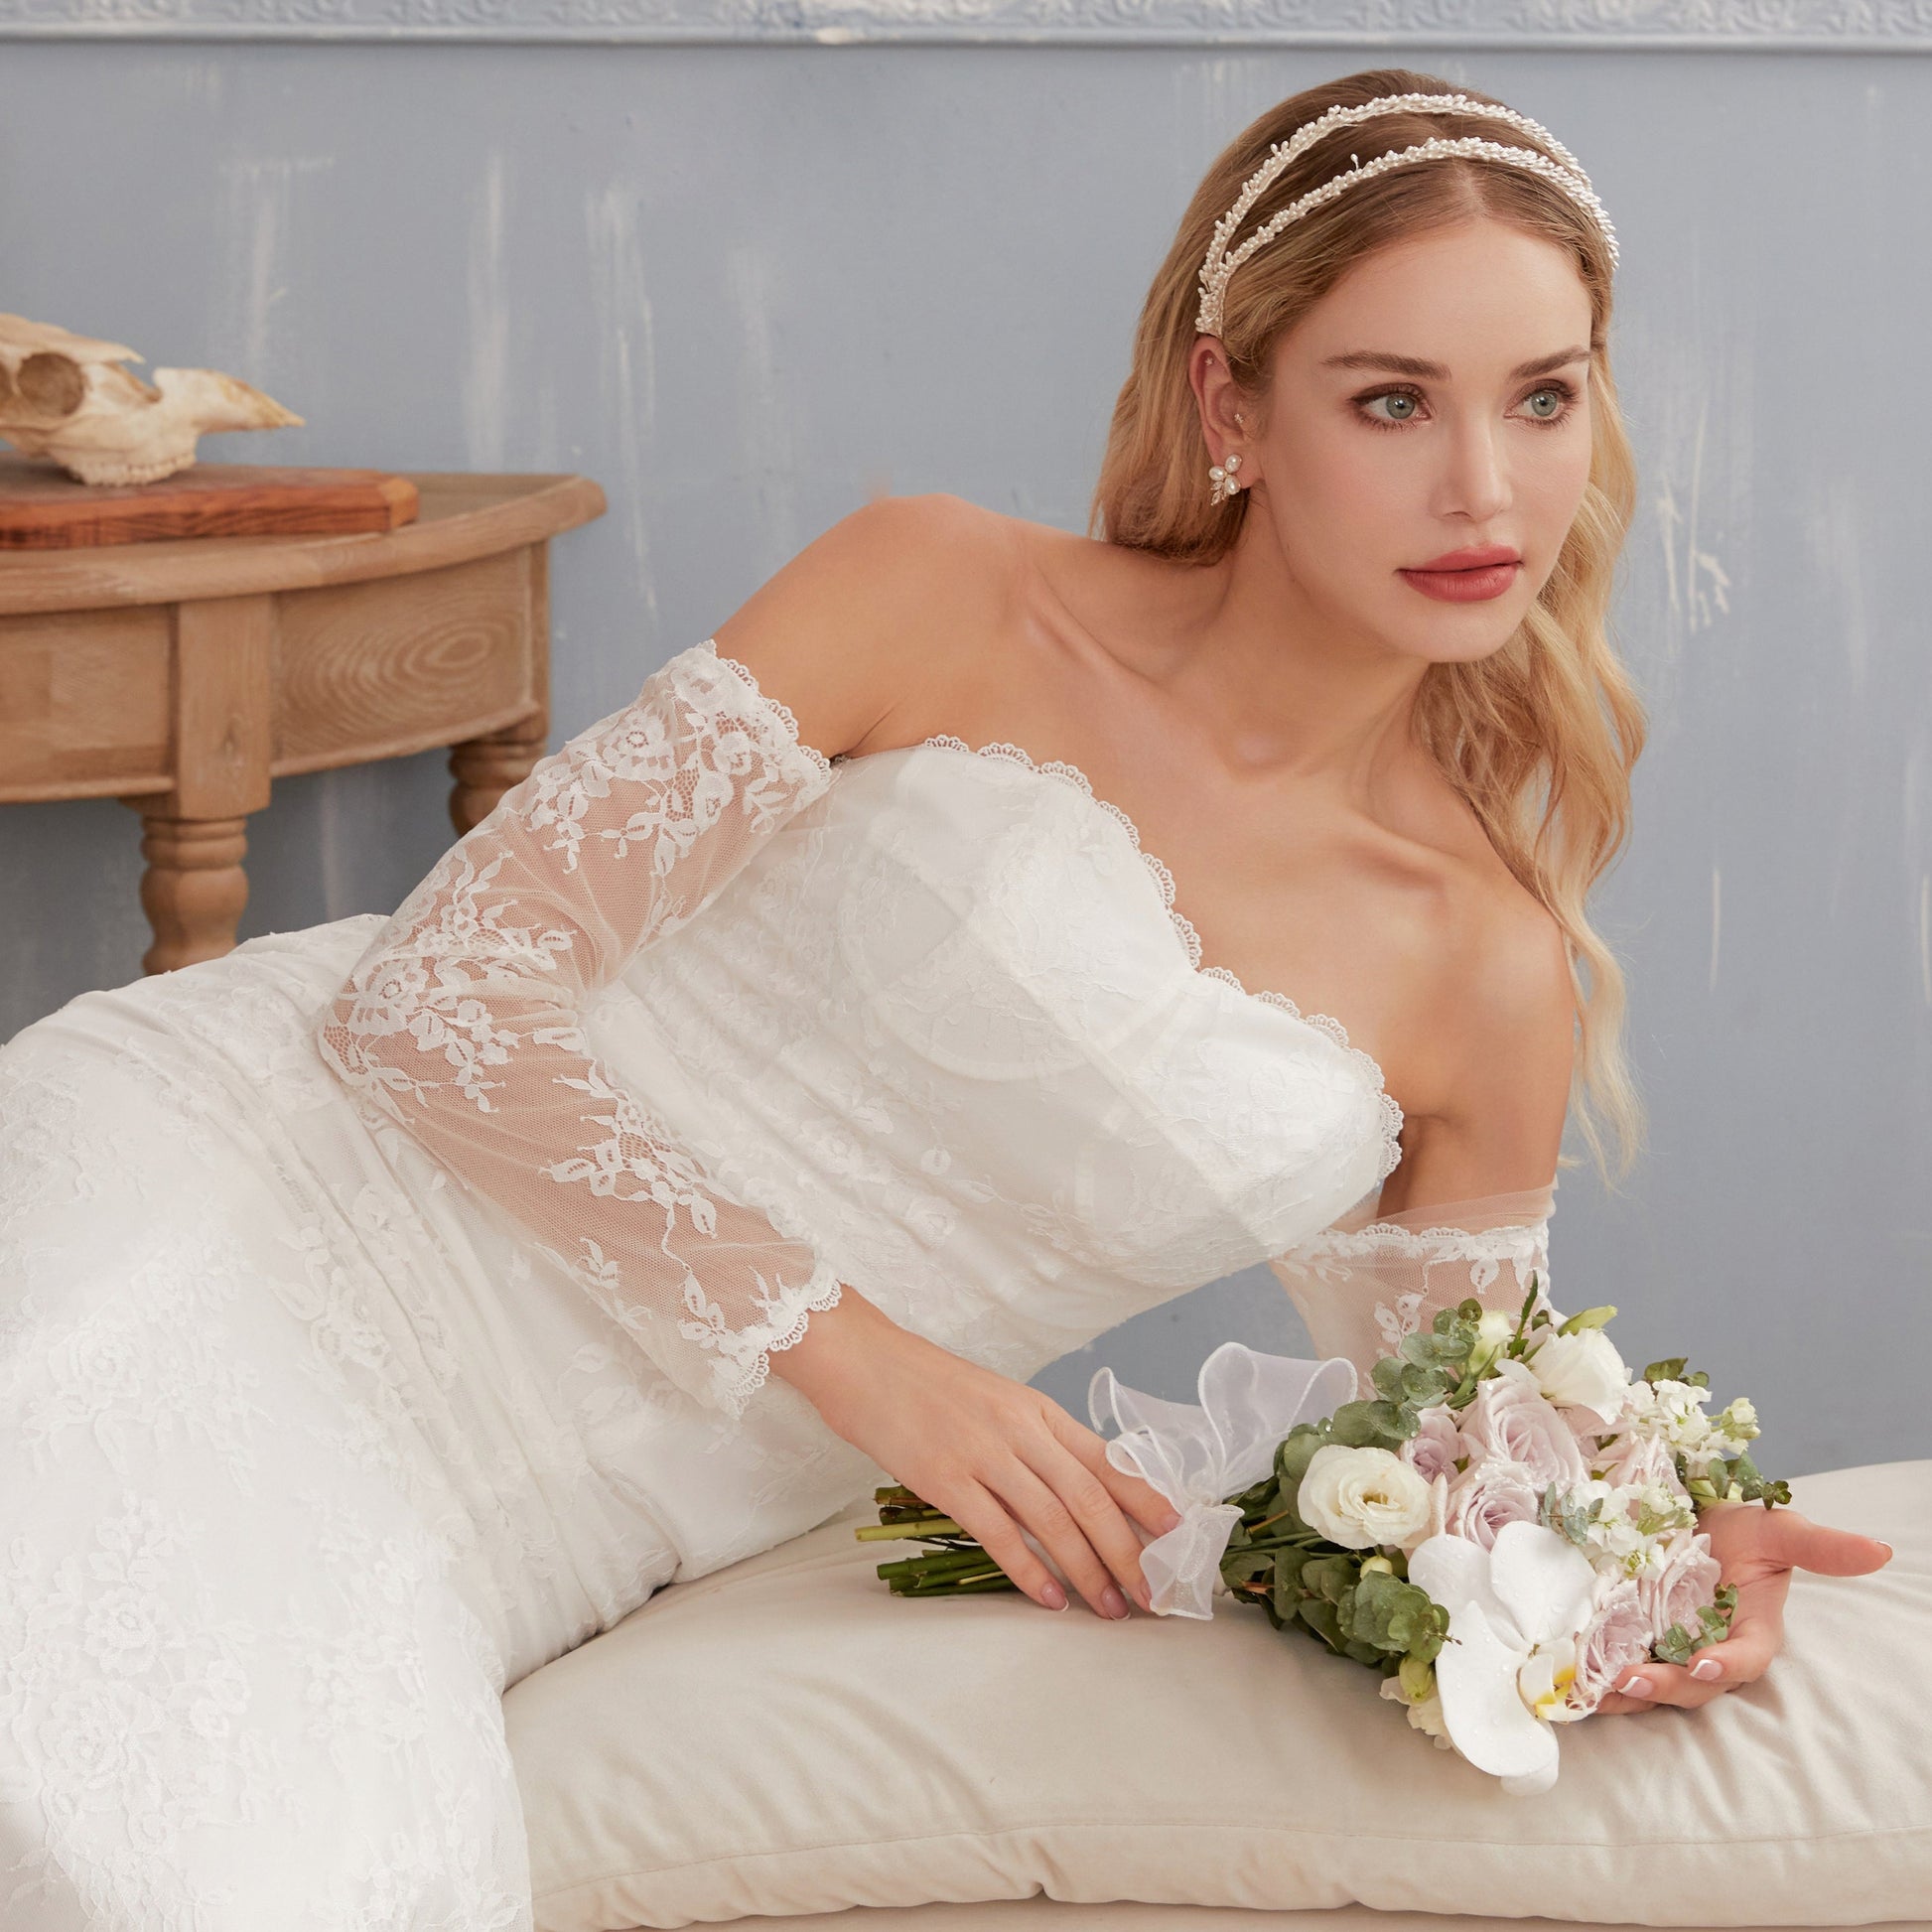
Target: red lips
(1473,559)
(1469,576)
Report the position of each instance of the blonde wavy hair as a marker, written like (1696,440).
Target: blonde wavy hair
(1539,737)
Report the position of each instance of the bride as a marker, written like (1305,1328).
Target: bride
(891,997)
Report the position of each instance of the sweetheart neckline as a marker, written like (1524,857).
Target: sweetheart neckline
(1064,772)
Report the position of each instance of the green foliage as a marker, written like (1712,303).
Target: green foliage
(1671,1369)
(1676,1645)
(1568,1519)
(1589,1318)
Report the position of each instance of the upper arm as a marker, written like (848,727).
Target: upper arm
(871,612)
(1508,1041)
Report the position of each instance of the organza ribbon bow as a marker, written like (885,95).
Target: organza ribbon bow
(1196,1453)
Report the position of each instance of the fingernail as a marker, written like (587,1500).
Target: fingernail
(1113,1602)
(1706,1668)
(1052,1595)
(1884,1545)
(1638,1687)
(1171,1521)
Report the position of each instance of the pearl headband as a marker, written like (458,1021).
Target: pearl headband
(1558,167)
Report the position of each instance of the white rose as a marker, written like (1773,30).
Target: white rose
(1583,1371)
(1359,1497)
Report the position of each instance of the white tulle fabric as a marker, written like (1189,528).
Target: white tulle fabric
(1196,1453)
(1365,1283)
(387,1306)
(464,1021)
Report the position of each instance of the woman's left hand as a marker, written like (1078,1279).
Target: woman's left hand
(1758,1549)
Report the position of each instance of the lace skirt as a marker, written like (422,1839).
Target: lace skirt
(303,1466)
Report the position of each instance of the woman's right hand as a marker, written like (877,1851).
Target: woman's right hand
(993,1454)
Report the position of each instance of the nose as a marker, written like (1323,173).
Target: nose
(1475,483)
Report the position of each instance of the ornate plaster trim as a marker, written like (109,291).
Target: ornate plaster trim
(1837,26)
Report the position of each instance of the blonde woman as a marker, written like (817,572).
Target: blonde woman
(988,933)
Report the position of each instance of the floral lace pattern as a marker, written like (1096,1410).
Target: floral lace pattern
(1361,1289)
(462,1023)
(1163,877)
(382,1305)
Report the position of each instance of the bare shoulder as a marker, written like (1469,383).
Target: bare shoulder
(865,617)
(1493,1043)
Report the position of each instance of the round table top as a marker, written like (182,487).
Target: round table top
(461,515)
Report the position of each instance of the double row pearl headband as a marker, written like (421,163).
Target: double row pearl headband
(1557,166)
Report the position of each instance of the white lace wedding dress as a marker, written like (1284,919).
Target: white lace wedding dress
(385,1308)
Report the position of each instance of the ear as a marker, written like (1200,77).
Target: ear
(1227,418)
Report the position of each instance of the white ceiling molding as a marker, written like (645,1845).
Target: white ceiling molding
(1837,26)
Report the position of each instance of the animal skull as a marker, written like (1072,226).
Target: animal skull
(65,397)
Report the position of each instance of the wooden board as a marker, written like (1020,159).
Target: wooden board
(42,507)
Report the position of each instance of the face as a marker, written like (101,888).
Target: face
(1427,441)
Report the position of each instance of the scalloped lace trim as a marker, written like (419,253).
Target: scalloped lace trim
(782,712)
(1514,1241)
(1391,1149)
(736,1393)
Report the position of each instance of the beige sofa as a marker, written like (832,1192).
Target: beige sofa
(786,1738)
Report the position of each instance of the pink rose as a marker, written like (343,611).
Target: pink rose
(1435,1445)
(1510,1418)
(1635,1459)
(1486,1497)
(1617,1635)
(1688,1580)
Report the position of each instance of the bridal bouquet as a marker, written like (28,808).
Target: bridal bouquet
(1500,1530)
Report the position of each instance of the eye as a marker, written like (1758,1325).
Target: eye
(1549,403)
(1389,406)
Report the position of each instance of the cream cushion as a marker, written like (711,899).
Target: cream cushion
(786,1736)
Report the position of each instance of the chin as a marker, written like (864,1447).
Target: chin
(1465,638)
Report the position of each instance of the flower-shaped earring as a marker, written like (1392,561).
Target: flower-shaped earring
(1225,482)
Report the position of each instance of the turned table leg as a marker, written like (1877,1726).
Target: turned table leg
(194,889)
(485,767)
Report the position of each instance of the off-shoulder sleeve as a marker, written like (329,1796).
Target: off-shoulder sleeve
(461,1022)
(1360,1285)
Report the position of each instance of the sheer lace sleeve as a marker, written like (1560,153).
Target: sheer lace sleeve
(461,1022)
(1362,1284)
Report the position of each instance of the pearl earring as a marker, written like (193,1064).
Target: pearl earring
(1225,482)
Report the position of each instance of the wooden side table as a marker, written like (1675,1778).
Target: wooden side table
(183,676)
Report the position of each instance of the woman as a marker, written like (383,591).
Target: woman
(891,997)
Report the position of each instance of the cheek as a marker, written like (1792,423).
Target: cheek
(1552,480)
(1350,495)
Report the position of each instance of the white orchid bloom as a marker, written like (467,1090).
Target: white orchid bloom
(1515,1613)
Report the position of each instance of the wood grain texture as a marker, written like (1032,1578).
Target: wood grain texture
(182,677)
(391,666)
(42,507)
(85,707)
(195,890)
(461,516)
(223,649)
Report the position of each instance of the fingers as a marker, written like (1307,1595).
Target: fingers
(1061,1523)
(1653,1684)
(1834,1552)
(984,1518)
(1784,1536)
(1134,1494)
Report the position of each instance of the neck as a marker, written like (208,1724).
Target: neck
(1286,686)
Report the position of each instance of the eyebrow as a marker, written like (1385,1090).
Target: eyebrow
(1372,359)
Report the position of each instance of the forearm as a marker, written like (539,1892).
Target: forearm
(843,1348)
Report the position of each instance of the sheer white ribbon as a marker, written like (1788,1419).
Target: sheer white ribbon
(1196,1453)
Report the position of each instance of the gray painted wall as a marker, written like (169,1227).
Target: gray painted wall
(746,286)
